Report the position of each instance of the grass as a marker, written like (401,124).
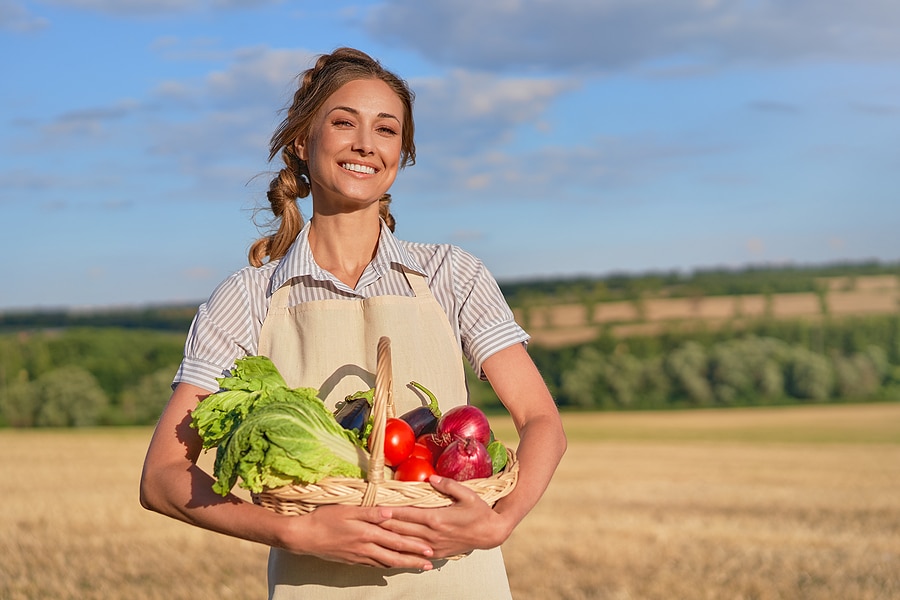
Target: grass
(791,502)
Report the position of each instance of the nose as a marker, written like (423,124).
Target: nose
(363,142)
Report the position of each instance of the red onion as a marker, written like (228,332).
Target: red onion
(434,442)
(464,459)
(465,421)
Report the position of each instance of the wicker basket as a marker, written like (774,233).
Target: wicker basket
(375,490)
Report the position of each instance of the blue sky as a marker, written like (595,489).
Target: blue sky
(554,137)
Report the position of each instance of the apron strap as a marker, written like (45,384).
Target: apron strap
(280,296)
(417,282)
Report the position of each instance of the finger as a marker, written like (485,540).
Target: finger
(398,560)
(394,550)
(453,488)
(376,514)
(411,523)
(405,541)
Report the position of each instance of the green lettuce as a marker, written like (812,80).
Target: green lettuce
(254,382)
(285,443)
(269,435)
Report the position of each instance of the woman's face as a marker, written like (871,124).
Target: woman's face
(353,146)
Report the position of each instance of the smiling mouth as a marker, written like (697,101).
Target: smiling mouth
(358,168)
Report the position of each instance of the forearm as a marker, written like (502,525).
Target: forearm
(185,493)
(542,441)
(542,444)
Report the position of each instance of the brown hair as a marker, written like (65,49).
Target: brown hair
(317,84)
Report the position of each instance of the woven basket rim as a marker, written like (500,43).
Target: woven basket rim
(511,469)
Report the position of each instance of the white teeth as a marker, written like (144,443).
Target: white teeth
(359,168)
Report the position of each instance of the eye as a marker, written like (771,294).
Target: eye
(342,123)
(387,130)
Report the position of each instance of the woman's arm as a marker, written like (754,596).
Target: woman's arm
(172,484)
(470,523)
(542,441)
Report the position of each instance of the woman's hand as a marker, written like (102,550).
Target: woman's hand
(468,524)
(355,535)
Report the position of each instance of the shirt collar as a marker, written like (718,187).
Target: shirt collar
(299,261)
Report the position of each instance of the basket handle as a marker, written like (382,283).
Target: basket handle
(382,409)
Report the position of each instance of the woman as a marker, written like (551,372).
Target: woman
(315,299)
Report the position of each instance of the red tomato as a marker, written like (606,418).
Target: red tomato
(414,469)
(399,440)
(420,450)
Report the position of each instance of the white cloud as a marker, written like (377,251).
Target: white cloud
(90,122)
(142,8)
(15,17)
(576,35)
(465,111)
(575,173)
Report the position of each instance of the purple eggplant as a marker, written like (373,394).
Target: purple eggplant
(423,419)
(354,412)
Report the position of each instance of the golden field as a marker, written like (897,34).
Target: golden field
(775,503)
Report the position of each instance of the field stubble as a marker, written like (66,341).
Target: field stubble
(740,504)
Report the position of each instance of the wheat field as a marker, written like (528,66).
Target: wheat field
(735,504)
(555,325)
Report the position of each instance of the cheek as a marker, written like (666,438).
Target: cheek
(393,150)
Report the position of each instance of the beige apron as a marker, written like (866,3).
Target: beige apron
(331,345)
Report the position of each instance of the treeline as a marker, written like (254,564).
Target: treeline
(701,282)
(161,318)
(770,362)
(115,376)
(86,376)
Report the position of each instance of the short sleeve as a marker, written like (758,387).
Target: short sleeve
(487,323)
(225,328)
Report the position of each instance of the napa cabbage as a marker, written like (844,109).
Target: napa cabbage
(268,435)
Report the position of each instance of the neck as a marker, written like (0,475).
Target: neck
(344,244)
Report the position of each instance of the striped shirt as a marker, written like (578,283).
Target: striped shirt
(227,325)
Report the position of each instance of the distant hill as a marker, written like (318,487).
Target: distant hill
(760,279)
(164,318)
(557,310)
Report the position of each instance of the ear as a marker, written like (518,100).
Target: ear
(300,150)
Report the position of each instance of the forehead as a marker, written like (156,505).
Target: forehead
(366,96)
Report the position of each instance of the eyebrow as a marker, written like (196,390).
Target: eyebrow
(350,110)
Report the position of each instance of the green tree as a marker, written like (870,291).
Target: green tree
(655,387)
(17,403)
(687,369)
(143,402)
(729,373)
(810,376)
(65,397)
(580,382)
(859,375)
(617,381)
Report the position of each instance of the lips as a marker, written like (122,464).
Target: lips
(357,168)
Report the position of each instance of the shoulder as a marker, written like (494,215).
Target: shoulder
(438,258)
(247,285)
